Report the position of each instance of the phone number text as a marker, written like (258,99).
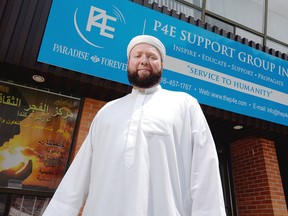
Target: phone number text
(176,83)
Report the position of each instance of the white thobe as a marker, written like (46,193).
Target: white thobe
(146,154)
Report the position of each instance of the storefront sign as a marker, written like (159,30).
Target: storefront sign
(36,131)
(91,37)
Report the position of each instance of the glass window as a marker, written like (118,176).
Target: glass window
(247,12)
(180,7)
(29,206)
(221,25)
(168,2)
(250,36)
(195,2)
(277,47)
(278,20)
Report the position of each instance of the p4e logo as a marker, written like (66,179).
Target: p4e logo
(96,26)
(100,20)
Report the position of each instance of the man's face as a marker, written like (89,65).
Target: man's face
(144,66)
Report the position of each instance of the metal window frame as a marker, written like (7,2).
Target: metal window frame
(263,35)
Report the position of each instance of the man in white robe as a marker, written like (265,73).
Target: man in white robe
(149,153)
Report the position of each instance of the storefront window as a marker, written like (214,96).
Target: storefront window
(24,205)
(36,132)
(247,12)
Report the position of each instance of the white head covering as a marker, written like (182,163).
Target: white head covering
(148,39)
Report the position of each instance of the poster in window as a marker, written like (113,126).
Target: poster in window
(36,132)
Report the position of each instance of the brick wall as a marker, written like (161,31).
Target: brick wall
(257,181)
(90,108)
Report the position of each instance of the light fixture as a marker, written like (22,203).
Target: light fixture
(38,78)
(238,127)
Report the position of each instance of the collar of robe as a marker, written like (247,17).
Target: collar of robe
(148,90)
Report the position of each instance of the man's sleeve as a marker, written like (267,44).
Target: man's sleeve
(73,189)
(205,183)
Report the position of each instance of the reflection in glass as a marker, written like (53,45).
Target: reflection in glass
(221,25)
(247,12)
(277,20)
(277,47)
(28,206)
(250,36)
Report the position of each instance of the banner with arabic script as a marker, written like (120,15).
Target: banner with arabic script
(36,131)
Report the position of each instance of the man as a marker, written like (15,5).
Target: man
(149,153)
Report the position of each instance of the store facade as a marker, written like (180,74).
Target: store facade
(52,114)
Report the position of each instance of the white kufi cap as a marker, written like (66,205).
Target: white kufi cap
(148,39)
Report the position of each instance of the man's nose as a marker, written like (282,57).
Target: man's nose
(144,60)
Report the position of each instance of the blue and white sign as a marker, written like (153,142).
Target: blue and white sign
(91,37)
